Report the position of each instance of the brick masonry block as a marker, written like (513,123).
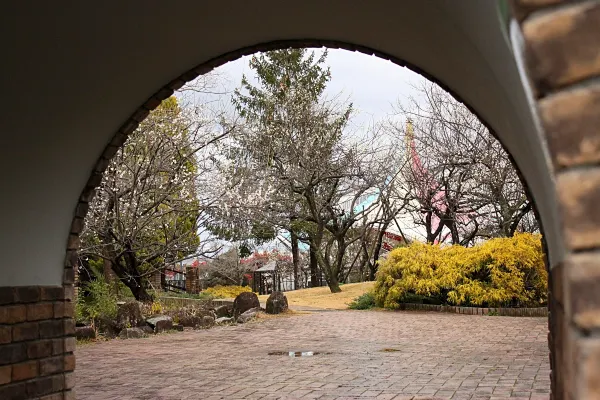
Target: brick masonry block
(39,349)
(69,326)
(562,45)
(58,346)
(5,374)
(578,196)
(73,242)
(45,385)
(52,293)
(571,120)
(14,391)
(69,276)
(13,314)
(28,294)
(5,334)
(588,368)
(51,328)
(52,365)
(54,396)
(13,353)
(70,343)
(38,311)
(7,295)
(69,292)
(584,279)
(69,362)
(69,380)
(24,371)
(25,331)
(64,309)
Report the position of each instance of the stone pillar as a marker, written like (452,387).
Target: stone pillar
(192,281)
(156,280)
(562,57)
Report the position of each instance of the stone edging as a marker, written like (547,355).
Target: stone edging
(510,312)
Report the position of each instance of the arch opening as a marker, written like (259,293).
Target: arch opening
(509,161)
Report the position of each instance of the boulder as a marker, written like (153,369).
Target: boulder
(191,317)
(85,332)
(160,323)
(108,327)
(147,330)
(132,333)
(224,311)
(223,320)
(244,302)
(190,320)
(277,303)
(248,315)
(129,315)
(207,322)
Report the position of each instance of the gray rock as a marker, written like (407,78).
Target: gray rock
(207,322)
(129,315)
(108,327)
(85,332)
(160,323)
(224,311)
(147,330)
(244,302)
(223,320)
(132,333)
(247,316)
(277,303)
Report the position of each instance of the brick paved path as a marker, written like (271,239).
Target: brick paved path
(439,356)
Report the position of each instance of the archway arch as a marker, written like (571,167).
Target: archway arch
(27,283)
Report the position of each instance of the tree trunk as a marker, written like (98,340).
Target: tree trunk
(107,271)
(295,258)
(314,267)
(333,284)
(132,279)
(139,291)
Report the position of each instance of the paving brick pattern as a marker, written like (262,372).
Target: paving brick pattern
(378,355)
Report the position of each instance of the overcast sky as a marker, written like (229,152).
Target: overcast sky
(371,83)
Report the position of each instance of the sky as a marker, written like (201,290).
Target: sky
(372,84)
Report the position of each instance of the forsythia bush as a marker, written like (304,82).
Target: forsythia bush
(226,292)
(503,272)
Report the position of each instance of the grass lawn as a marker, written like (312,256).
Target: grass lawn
(321,297)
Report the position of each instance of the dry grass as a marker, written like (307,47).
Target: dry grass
(322,297)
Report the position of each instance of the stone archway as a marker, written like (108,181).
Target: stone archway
(36,326)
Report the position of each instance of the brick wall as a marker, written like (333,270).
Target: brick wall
(562,53)
(36,343)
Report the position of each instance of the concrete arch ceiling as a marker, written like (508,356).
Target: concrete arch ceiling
(72,75)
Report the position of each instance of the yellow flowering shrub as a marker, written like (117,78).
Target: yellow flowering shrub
(503,272)
(226,292)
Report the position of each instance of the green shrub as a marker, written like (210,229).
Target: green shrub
(503,272)
(100,302)
(365,301)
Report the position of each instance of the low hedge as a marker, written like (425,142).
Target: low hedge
(226,292)
(503,272)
